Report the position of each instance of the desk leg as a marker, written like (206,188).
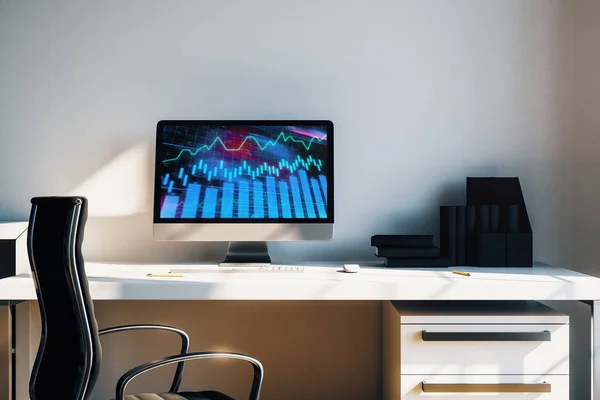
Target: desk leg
(595,350)
(6,352)
(27,336)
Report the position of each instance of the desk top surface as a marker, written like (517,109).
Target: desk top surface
(323,281)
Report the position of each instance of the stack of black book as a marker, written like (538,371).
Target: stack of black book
(408,251)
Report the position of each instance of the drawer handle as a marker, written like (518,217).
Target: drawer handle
(485,387)
(543,336)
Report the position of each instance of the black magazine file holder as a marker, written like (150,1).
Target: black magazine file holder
(510,244)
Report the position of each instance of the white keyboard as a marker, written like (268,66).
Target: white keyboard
(270,268)
(281,268)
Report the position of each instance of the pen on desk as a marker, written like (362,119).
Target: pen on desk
(461,273)
(164,275)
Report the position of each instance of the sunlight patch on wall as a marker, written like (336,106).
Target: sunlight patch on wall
(121,187)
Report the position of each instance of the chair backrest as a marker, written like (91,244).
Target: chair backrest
(69,356)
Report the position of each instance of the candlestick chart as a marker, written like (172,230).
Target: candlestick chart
(241,172)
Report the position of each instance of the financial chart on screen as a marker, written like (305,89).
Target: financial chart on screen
(239,172)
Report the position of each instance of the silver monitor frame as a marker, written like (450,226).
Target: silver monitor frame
(242,232)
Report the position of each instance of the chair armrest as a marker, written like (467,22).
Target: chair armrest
(185,345)
(134,372)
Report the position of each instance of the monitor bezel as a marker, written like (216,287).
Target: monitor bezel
(330,174)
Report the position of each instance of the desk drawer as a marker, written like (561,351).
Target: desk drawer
(477,387)
(484,349)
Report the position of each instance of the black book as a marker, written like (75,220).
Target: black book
(513,219)
(495,218)
(461,228)
(408,252)
(402,240)
(471,230)
(483,219)
(448,233)
(416,262)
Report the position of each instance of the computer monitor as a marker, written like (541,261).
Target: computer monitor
(244,182)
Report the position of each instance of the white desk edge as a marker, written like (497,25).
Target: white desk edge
(324,281)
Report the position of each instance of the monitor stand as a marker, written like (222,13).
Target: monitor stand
(251,254)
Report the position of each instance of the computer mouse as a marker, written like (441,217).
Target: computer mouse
(351,268)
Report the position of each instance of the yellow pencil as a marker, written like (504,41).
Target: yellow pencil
(164,275)
(461,273)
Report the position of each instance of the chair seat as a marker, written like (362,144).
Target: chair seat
(204,395)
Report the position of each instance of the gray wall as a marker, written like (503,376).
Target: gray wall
(586,229)
(586,144)
(423,93)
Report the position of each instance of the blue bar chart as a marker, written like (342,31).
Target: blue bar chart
(169,207)
(272,197)
(290,198)
(227,201)
(210,203)
(286,210)
(192,197)
(259,208)
(244,199)
(308,200)
(297,198)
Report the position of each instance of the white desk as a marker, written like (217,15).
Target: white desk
(324,281)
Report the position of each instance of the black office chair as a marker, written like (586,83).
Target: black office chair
(69,356)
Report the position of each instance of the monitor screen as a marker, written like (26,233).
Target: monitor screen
(244,171)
